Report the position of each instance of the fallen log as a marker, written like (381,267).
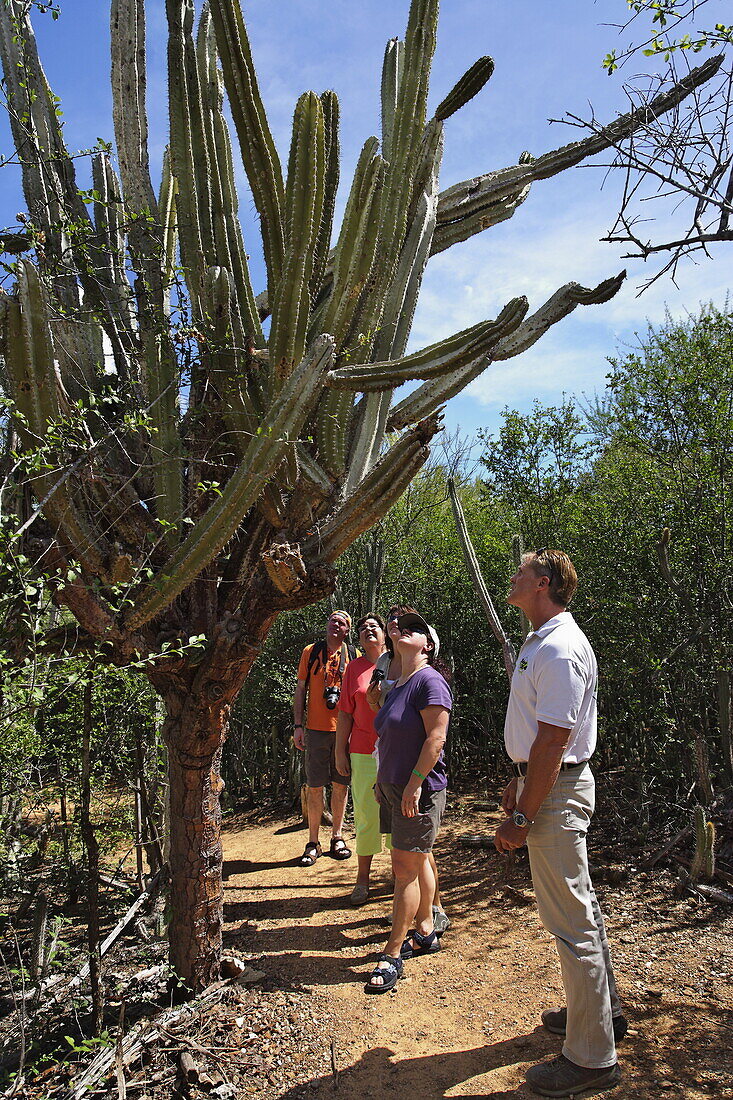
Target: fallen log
(136,1040)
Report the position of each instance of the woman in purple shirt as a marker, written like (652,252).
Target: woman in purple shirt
(412,724)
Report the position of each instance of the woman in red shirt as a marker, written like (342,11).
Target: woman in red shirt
(355,740)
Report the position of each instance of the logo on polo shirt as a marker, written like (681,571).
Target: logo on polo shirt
(523,664)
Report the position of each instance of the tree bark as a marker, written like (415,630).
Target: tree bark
(198,701)
(195,927)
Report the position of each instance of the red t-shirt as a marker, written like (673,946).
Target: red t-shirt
(353,701)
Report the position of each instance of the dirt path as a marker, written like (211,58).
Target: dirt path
(466,1021)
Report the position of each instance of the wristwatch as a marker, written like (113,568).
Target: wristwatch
(521,820)
(298,726)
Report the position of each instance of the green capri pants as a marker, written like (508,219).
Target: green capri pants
(366,807)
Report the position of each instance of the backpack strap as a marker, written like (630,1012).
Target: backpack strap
(317,653)
(348,653)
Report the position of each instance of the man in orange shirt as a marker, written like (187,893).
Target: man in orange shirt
(320,673)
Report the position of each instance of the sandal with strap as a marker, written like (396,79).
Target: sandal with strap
(389,974)
(416,944)
(339,848)
(312,851)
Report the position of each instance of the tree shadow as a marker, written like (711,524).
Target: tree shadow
(296,827)
(249,866)
(377,1073)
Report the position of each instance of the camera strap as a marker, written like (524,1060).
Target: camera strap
(319,655)
(342,662)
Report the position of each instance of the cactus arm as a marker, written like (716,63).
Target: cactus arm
(49,179)
(223,363)
(109,259)
(496,212)
(432,394)
(405,146)
(409,122)
(559,305)
(401,298)
(431,362)
(165,445)
(189,154)
(169,219)
(356,251)
(479,584)
(304,207)
(332,429)
(262,457)
(259,155)
(394,59)
(226,202)
(464,199)
(312,474)
(401,301)
(129,82)
(322,244)
(376,494)
(127,25)
(366,431)
(467,87)
(30,363)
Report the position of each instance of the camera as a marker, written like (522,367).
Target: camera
(377,676)
(331,695)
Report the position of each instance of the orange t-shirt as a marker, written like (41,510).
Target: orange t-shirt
(318,716)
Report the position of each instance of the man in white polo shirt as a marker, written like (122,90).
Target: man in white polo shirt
(550,734)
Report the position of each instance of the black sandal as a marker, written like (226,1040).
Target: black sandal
(390,974)
(423,945)
(339,848)
(312,851)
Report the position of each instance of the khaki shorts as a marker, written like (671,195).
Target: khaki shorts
(410,834)
(320,760)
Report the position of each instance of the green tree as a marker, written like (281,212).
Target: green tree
(660,459)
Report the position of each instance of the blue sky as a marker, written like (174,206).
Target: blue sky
(548,62)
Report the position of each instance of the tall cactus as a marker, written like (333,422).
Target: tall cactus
(212,476)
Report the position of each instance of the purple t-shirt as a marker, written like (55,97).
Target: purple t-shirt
(401,730)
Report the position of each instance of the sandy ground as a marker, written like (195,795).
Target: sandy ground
(465,1022)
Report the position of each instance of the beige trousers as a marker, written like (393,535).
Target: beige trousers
(569,911)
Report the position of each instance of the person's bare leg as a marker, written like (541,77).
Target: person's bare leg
(436,896)
(363,870)
(339,794)
(315,809)
(406,867)
(424,915)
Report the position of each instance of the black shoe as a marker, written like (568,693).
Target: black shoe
(561,1077)
(556,1020)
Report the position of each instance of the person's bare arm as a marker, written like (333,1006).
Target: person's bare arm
(543,768)
(509,797)
(435,718)
(298,711)
(344,722)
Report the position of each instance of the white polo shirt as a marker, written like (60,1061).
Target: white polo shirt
(555,680)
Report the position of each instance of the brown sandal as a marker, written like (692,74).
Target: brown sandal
(312,851)
(339,848)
